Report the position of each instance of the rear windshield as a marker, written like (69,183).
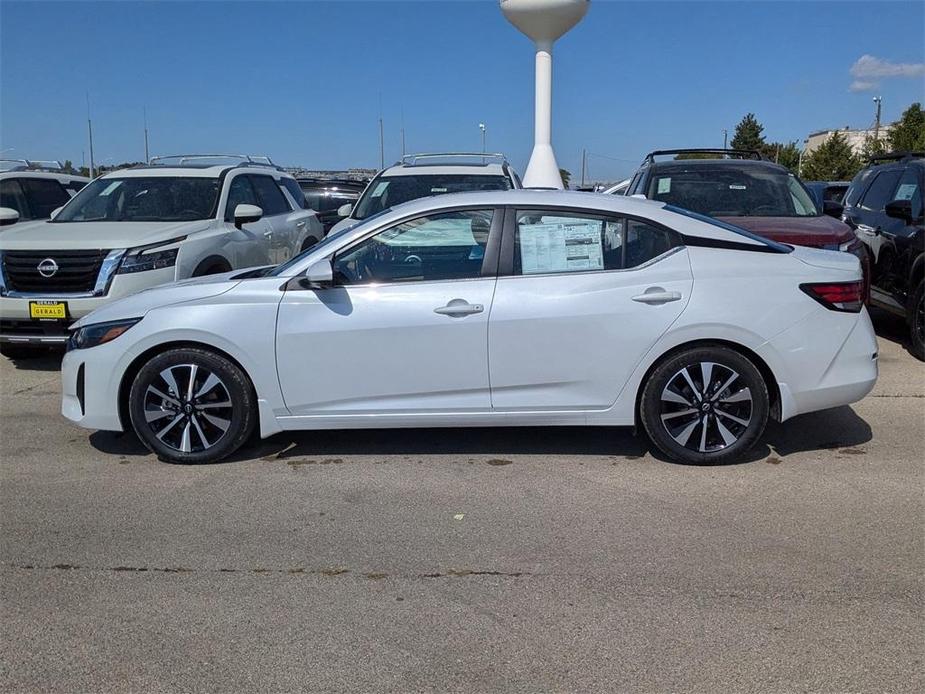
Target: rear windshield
(388,191)
(143,199)
(733,192)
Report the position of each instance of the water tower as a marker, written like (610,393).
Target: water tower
(543,21)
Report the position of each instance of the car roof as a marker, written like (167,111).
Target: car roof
(57,176)
(718,164)
(193,171)
(445,169)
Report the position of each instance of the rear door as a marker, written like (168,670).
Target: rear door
(404,329)
(276,213)
(581,298)
(874,227)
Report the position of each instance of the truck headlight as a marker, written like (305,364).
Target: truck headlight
(98,333)
(142,260)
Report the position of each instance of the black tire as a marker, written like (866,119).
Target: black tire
(180,429)
(734,405)
(917,322)
(15,351)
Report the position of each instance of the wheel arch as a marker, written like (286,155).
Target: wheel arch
(212,265)
(766,373)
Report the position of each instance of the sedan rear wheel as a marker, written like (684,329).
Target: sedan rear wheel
(705,405)
(192,406)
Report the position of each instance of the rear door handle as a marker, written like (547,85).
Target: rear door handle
(657,295)
(458,308)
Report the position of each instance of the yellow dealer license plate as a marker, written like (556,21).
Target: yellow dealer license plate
(47,309)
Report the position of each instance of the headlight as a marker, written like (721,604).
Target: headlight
(141,260)
(98,333)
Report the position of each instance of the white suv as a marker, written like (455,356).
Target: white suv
(137,228)
(422,175)
(32,190)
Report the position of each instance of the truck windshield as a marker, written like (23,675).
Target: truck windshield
(143,199)
(720,191)
(388,191)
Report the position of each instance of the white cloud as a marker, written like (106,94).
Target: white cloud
(868,70)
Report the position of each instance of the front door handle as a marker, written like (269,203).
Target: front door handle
(657,295)
(458,308)
(869,230)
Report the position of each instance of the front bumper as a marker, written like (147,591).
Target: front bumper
(90,388)
(18,327)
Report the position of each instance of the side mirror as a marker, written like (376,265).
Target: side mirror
(638,196)
(246,214)
(319,275)
(56,211)
(899,209)
(8,216)
(344,210)
(832,208)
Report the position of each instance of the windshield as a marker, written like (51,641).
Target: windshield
(733,192)
(388,191)
(143,199)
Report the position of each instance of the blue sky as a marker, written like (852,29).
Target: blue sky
(301,81)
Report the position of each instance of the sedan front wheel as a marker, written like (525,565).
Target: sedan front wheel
(705,405)
(189,405)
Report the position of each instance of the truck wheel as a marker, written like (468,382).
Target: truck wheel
(916,315)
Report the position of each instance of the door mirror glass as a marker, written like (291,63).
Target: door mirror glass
(246,214)
(832,208)
(320,274)
(899,209)
(8,216)
(344,210)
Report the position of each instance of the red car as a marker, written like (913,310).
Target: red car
(741,188)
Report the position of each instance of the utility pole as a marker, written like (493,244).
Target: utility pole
(90,133)
(584,165)
(381,137)
(403,132)
(147,157)
(877,100)
(483,129)
(725,137)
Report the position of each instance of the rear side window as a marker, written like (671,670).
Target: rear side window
(271,198)
(552,242)
(910,189)
(295,190)
(880,191)
(11,196)
(45,196)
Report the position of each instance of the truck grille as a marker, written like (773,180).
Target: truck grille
(76,271)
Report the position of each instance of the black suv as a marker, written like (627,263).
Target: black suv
(327,195)
(884,207)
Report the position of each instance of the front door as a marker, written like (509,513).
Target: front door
(585,298)
(403,331)
(250,245)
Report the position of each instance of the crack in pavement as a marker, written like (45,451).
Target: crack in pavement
(295,571)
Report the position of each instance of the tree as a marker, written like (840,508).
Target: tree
(566,177)
(784,154)
(908,134)
(748,134)
(872,147)
(833,160)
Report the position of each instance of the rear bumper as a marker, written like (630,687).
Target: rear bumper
(825,373)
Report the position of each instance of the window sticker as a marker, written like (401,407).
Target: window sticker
(439,190)
(906,191)
(664,185)
(561,247)
(111,187)
(737,186)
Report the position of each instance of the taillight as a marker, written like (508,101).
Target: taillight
(837,296)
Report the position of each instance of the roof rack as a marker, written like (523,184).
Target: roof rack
(31,165)
(896,156)
(412,159)
(205,160)
(726,153)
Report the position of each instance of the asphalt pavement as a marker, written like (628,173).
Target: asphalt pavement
(466,560)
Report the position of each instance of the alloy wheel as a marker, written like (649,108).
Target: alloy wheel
(188,408)
(706,407)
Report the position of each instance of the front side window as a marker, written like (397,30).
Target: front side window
(448,246)
(12,196)
(389,191)
(880,191)
(45,196)
(552,242)
(732,191)
(272,201)
(143,199)
(240,192)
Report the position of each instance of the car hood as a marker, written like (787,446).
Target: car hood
(66,236)
(137,305)
(800,231)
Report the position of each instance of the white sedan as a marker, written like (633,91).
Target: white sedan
(523,308)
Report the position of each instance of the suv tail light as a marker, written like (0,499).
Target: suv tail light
(837,296)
